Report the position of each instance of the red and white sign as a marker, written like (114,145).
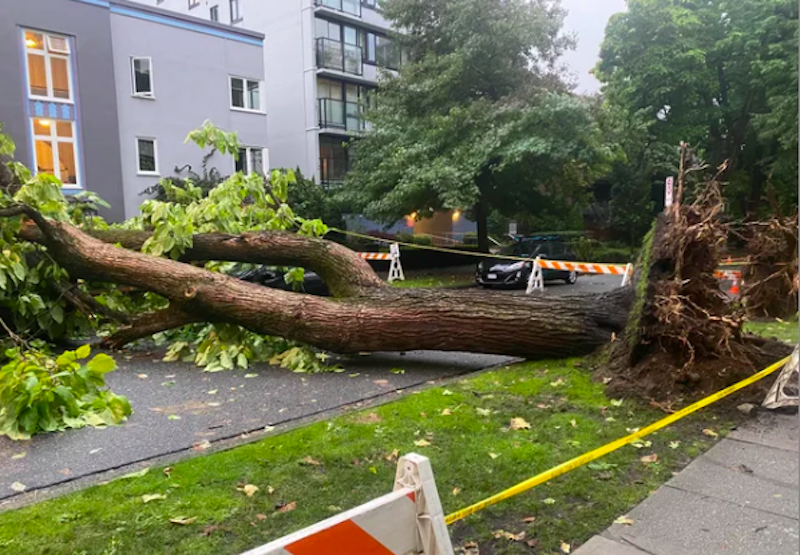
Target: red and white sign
(668,192)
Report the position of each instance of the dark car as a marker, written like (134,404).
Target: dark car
(273,277)
(495,272)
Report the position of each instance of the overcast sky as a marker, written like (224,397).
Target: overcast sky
(587,19)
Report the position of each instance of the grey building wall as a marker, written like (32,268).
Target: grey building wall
(290,68)
(93,78)
(191,84)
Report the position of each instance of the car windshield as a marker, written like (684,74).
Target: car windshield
(525,248)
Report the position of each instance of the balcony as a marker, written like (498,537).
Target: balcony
(339,56)
(352,7)
(332,171)
(340,115)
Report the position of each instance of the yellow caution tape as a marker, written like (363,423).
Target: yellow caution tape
(608,448)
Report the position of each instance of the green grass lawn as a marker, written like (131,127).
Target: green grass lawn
(313,472)
(783,330)
(436,281)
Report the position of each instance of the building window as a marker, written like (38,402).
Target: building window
(146,156)
(142,77)
(55,150)
(236,16)
(245,94)
(48,64)
(193,3)
(251,160)
(374,4)
(213,13)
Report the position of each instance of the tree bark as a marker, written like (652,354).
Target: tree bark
(367,316)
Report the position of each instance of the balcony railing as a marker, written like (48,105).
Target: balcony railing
(353,7)
(338,114)
(332,170)
(337,55)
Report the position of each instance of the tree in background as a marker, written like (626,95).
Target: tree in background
(478,118)
(719,74)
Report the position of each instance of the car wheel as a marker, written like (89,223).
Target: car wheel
(571,278)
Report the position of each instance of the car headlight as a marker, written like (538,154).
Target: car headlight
(516,266)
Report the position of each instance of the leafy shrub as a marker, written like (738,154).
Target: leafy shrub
(39,394)
(591,250)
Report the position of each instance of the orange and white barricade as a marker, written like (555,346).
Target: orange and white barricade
(395,269)
(536,281)
(407,521)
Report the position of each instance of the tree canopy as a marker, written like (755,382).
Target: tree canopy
(478,118)
(719,74)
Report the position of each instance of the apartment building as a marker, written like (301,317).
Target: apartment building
(322,59)
(102,93)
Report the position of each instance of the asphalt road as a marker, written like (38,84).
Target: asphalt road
(180,410)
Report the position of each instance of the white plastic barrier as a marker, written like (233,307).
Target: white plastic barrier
(536,280)
(407,521)
(395,269)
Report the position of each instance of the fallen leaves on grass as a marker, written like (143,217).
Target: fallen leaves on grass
(483,412)
(470,548)
(152,497)
(493,455)
(674,444)
(558,383)
(288,507)
(309,461)
(446,412)
(710,433)
(422,442)
(248,489)
(565,547)
(456,491)
(549,501)
(393,456)
(624,519)
(616,402)
(648,459)
(137,474)
(528,519)
(519,424)
(509,535)
(447,392)
(183,520)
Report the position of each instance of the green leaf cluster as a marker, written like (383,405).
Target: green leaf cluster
(42,394)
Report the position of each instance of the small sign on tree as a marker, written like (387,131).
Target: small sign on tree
(668,192)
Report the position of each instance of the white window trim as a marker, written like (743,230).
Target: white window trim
(44,51)
(155,155)
(193,4)
(148,95)
(261,102)
(55,139)
(249,159)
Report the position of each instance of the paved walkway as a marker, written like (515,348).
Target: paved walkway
(180,410)
(739,498)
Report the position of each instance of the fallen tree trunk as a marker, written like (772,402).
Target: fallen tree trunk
(365,315)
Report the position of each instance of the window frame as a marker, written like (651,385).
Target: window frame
(212,11)
(248,159)
(245,82)
(149,95)
(238,18)
(47,54)
(139,170)
(193,4)
(55,139)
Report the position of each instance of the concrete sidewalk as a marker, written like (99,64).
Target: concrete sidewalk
(739,498)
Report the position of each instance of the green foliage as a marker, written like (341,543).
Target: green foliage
(721,75)
(226,142)
(592,250)
(477,118)
(309,199)
(42,394)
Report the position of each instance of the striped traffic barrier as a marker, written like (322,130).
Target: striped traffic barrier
(536,281)
(410,520)
(395,269)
